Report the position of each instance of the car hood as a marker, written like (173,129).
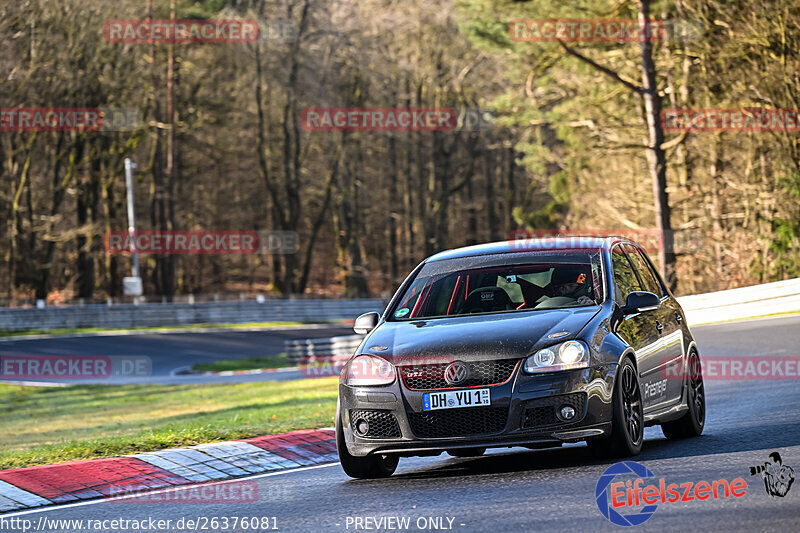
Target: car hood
(474,338)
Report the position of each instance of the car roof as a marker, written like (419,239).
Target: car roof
(550,244)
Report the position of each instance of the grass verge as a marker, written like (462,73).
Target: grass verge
(43,425)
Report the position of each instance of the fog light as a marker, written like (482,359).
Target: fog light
(567,412)
(362,427)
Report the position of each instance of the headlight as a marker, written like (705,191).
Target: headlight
(564,356)
(365,370)
(544,357)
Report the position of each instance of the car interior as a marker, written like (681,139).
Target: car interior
(507,288)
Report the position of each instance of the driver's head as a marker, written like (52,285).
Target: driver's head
(570,281)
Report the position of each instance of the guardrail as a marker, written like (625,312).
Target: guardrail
(745,302)
(176,314)
(311,350)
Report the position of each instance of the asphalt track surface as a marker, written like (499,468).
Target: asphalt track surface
(546,490)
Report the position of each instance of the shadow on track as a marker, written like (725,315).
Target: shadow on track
(753,438)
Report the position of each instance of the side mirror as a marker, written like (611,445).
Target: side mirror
(366,323)
(640,301)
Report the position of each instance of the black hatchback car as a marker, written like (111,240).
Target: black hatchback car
(520,343)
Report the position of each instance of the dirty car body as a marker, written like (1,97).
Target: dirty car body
(519,344)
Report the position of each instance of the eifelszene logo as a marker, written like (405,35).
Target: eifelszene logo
(641,496)
(603,499)
(778,477)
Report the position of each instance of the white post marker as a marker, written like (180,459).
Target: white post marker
(132,286)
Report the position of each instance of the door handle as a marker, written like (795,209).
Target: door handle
(678,317)
(659,327)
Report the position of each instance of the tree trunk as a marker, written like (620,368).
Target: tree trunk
(85,264)
(716,208)
(472,212)
(394,177)
(158,204)
(656,157)
(489,161)
(318,222)
(168,261)
(59,187)
(110,215)
(511,192)
(408,196)
(16,216)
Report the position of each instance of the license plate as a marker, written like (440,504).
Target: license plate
(455,398)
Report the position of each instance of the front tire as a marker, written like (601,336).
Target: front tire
(692,423)
(369,467)
(627,425)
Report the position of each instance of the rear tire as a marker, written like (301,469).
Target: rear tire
(692,423)
(369,467)
(627,424)
(466,452)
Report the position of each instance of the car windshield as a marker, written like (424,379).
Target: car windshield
(502,284)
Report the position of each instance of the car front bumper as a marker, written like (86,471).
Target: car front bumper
(522,413)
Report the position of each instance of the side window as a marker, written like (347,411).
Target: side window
(656,275)
(625,280)
(649,283)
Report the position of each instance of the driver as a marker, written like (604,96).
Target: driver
(572,282)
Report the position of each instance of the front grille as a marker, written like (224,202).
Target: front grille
(481,373)
(542,413)
(382,424)
(459,422)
